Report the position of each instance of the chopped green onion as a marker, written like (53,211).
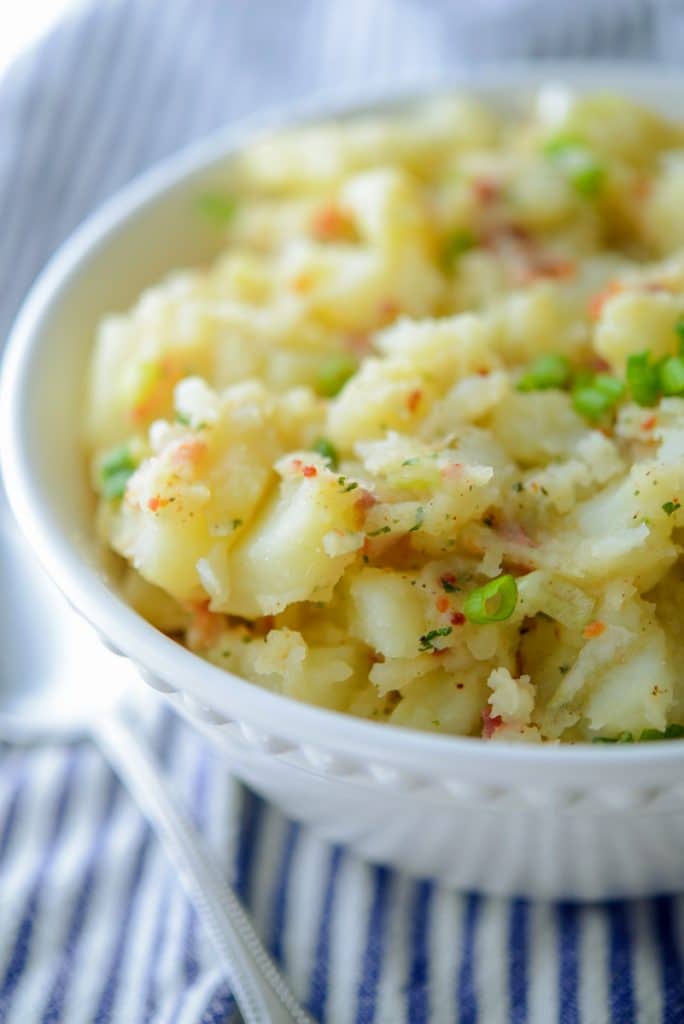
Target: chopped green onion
(624,737)
(427,641)
(672,732)
(328,450)
(643,379)
(549,371)
(594,395)
(584,171)
(671,372)
(611,387)
(560,144)
(679,330)
(587,178)
(219,209)
(493,602)
(455,245)
(591,403)
(116,467)
(671,506)
(334,374)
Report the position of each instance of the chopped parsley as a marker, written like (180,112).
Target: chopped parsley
(426,642)
(420,516)
(328,450)
(382,529)
(671,506)
(448,581)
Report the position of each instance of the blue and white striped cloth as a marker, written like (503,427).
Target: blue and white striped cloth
(94,927)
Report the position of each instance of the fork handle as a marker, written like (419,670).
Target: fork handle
(262,993)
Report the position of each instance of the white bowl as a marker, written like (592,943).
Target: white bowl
(570,821)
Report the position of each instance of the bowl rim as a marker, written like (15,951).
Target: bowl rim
(210,685)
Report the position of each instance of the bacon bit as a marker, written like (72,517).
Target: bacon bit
(155,503)
(514,533)
(599,365)
(642,187)
(547,267)
(442,603)
(388,310)
(142,411)
(189,452)
(448,581)
(486,190)
(365,501)
(359,342)
(299,466)
(302,282)
(649,423)
(205,625)
(593,630)
(517,568)
(490,723)
(457,619)
(413,400)
(332,224)
(598,301)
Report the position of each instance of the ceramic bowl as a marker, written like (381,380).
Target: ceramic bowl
(555,821)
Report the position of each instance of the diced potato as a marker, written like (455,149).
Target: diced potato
(281,558)
(387,612)
(634,322)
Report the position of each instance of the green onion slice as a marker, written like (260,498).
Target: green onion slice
(116,467)
(218,209)
(580,165)
(671,372)
(679,330)
(643,379)
(493,602)
(591,403)
(334,374)
(455,245)
(548,371)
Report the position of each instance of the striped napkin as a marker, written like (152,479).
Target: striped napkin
(94,927)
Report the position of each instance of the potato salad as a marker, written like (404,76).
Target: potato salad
(412,446)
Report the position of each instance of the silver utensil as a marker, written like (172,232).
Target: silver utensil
(68,685)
